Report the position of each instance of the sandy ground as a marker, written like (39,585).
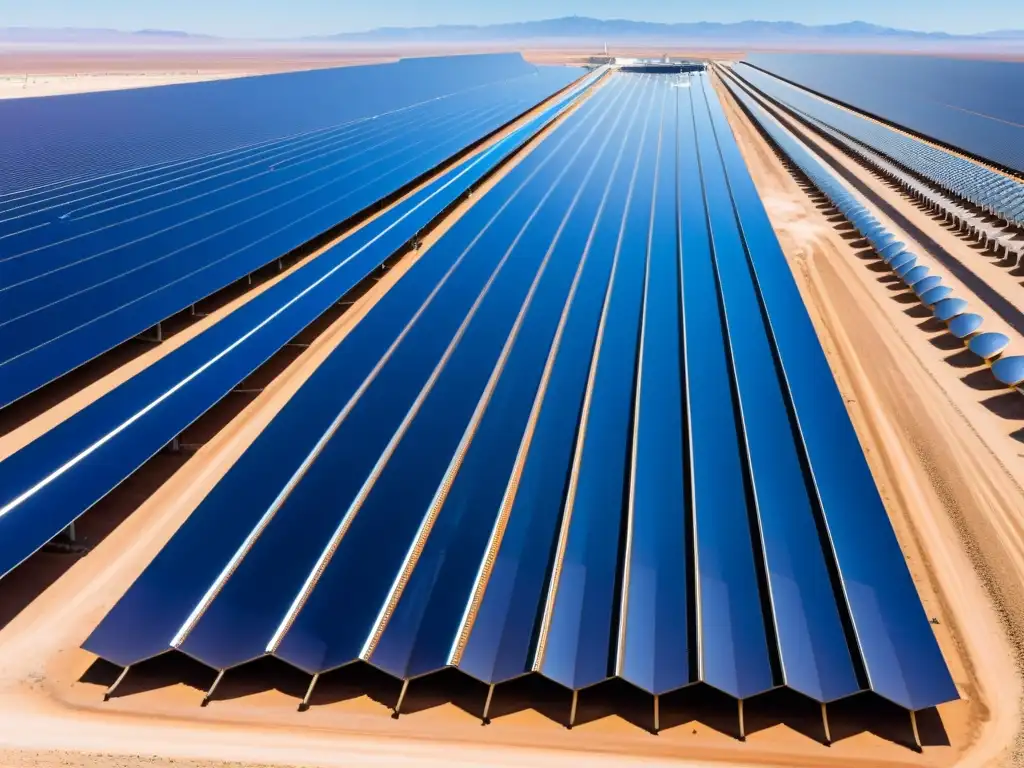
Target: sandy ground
(943,439)
(27,85)
(29,72)
(945,459)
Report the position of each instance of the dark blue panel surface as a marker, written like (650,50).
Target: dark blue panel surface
(593,411)
(215,536)
(957,101)
(112,276)
(380,519)
(95,243)
(813,654)
(727,610)
(501,623)
(45,141)
(421,618)
(735,651)
(898,649)
(653,651)
(261,595)
(236,508)
(990,189)
(576,645)
(48,484)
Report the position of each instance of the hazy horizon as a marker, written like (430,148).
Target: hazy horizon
(299,18)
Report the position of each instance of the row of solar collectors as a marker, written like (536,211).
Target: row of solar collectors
(949,309)
(968,221)
(928,287)
(557,447)
(893,646)
(85,269)
(959,102)
(990,190)
(48,484)
(940,299)
(49,141)
(963,215)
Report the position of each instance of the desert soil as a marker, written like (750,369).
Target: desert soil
(26,72)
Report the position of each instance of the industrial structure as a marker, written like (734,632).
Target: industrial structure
(586,434)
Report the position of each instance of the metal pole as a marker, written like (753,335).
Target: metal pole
(917,734)
(111,689)
(71,531)
(401,698)
(824,721)
(743,728)
(304,704)
(657,713)
(209,693)
(487,704)
(572,712)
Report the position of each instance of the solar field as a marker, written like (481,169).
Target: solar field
(89,265)
(962,103)
(531,387)
(117,134)
(573,422)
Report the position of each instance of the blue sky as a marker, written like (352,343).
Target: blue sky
(282,18)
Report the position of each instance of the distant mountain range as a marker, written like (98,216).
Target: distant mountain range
(582,27)
(567,28)
(617,29)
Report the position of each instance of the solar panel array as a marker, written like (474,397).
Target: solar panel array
(52,481)
(87,265)
(590,434)
(990,190)
(989,346)
(927,286)
(961,102)
(47,141)
(967,218)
